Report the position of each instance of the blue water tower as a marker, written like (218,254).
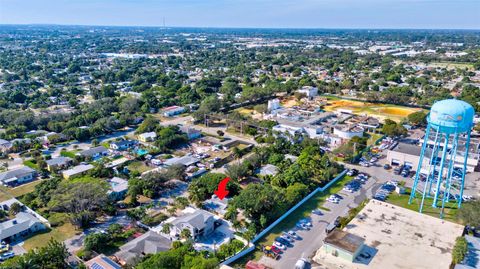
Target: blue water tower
(443,159)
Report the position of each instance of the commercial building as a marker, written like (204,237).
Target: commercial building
(343,245)
(394,238)
(345,131)
(309,91)
(409,154)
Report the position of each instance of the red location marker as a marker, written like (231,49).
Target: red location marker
(221,190)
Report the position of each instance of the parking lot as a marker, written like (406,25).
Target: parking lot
(311,238)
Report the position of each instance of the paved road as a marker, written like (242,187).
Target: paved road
(312,240)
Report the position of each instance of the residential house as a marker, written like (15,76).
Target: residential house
(268,170)
(172,111)
(149,243)
(5,145)
(58,163)
(94,153)
(23,224)
(76,171)
(122,144)
(200,223)
(102,262)
(185,161)
(191,132)
(18,176)
(118,188)
(147,137)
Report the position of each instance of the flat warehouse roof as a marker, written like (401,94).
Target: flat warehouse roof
(398,238)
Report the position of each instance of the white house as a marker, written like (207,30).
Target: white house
(22,225)
(309,91)
(172,111)
(147,137)
(118,188)
(18,176)
(200,223)
(78,170)
(273,104)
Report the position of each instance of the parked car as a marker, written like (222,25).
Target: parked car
(387,166)
(279,245)
(7,255)
(293,234)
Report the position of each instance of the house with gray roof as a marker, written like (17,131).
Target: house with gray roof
(78,170)
(58,163)
(22,225)
(149,243)
(268,170)
(18,176)
(118,188)
(102,262)
(200,223)
(5,145)
(185,161)
(94,153)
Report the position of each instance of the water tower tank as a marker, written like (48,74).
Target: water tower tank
(447,138)
(451,116)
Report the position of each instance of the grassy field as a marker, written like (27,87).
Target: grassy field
(303,211)
(8,193)
(138,166)
(394,112)
(402,200)
(451,65)
(60,234)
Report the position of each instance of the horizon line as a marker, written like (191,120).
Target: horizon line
(235,27)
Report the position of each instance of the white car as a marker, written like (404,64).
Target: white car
(293,234)
(279,245)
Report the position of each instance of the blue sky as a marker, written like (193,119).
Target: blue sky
(426,14)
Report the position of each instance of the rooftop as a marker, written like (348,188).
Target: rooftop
(408,149)
(346,241)
(77,169)
(398,238)
(102,262)
(148,243)
(16,173)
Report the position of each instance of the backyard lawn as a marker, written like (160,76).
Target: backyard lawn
(8,193)
(138,166)
(402,200)
(60,233)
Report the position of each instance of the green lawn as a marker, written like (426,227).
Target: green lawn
(8,193)
(402,200)
(303,211)
(60,234)
(70,154)
(31,163)
(138,166)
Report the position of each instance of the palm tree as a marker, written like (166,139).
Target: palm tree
(185,234)
(166,228)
